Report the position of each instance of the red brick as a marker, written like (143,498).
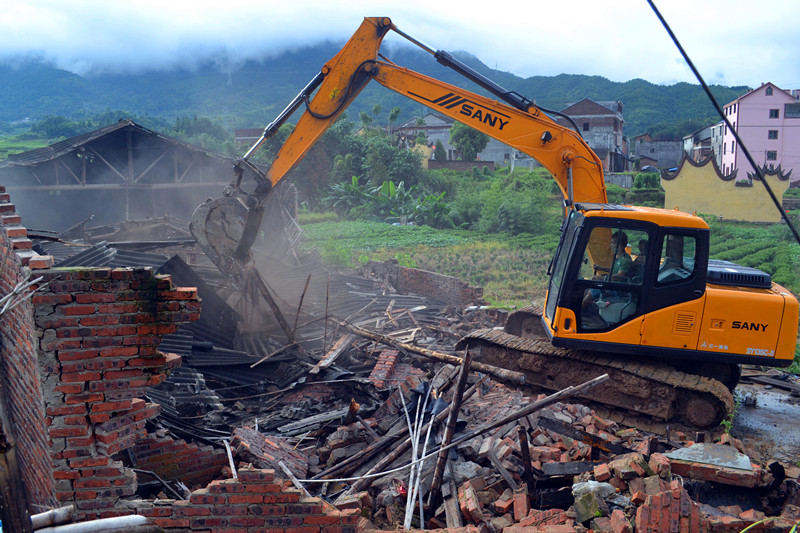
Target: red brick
(602,472)
(78,310)
(80,376)
(245,498)
(619,523)
(182,523)
(522,504)
(111,406)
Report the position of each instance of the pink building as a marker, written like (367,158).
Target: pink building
(767,120)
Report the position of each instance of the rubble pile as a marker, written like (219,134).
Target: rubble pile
(360,422)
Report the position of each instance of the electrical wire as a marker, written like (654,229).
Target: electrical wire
(716,105)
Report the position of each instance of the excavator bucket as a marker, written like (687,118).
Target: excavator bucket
(225,229)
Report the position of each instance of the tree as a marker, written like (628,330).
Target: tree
(366,119)
(55,126)
(438,153)
(468,141)
(393,114)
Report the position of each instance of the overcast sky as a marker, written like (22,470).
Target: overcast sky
(732,42)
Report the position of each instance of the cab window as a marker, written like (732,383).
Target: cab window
(610,276)
(677,258)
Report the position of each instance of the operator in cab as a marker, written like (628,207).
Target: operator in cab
(622,267)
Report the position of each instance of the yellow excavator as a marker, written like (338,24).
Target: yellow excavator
(631,292)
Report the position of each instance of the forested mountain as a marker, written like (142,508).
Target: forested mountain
(251,94)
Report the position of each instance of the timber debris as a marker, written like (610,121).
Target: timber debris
(366,386)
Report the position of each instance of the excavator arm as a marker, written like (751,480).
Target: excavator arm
(226,228)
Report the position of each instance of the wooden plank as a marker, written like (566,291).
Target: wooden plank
(503,472)
(302,425)
(339,347)
(785,385)
(451,510)
(572,468)
(587,438)
(294,480)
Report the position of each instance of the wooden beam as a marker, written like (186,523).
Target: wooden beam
(500,373)
(587,438)
(109,165)
(338,348)
(75,176)
(188,168)
(154,163)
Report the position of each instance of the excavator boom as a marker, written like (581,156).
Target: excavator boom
(227,229)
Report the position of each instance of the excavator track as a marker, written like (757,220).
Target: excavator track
(646,388)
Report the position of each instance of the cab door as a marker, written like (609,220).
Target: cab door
(675,302)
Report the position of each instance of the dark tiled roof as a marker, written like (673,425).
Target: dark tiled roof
(66,146)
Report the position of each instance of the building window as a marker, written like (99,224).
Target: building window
(585,126)
(772,134)
(768,91)
(774,113)
(772,155)
(506,156)
(724,148)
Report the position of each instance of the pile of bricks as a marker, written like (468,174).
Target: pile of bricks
(257,500)
(266,451)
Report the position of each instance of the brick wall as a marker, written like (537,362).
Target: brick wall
(415,281)
(20,377)
(75,361)
(98,330)
(175,459)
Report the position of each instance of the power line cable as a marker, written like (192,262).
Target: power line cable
(725,119)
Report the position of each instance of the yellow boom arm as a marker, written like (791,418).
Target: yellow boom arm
(515,121)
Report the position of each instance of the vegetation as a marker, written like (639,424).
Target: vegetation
(470,142)
(253,93)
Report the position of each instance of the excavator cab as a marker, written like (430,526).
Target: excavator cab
(614,265)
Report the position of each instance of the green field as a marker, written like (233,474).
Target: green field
(12,145)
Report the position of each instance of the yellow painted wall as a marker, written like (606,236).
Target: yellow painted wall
(425,153)
(701,189)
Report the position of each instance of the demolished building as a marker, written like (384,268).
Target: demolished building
(124,388)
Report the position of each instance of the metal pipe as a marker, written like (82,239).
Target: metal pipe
(53,517)
(118,524)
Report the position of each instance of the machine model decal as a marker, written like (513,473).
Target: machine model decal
(761,351)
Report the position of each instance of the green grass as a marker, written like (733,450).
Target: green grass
(511,270)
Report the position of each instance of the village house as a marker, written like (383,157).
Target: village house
(766,120)
(660,154)
(600,124)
